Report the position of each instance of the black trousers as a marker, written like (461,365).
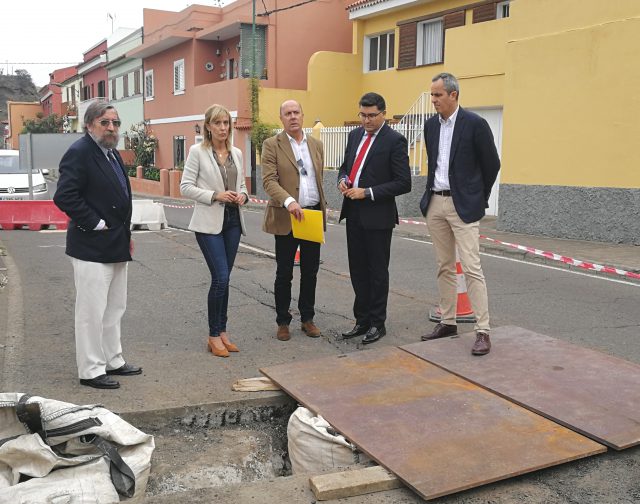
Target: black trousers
(286,246)
(369,252)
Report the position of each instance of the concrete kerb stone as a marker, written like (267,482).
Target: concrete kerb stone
(215,414)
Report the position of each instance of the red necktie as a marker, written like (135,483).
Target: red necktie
(359,158)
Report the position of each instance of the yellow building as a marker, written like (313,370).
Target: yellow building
(536,70)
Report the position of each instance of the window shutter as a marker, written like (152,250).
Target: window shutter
(407,45)
(486,12)
(454,20)
(148,84)
(136,83)
(178,76)
(125,86)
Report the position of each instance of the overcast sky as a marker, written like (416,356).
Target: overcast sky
(40,37)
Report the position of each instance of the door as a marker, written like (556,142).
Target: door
(494,117)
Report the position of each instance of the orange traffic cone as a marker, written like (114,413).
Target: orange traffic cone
(296,259)
(464,312)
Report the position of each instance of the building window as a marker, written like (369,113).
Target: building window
(148,85)
(73,94)
(113,89)
(231,68)
(379,52)
(178,152)
(502,9)
(136,82)
(178,77)
(247,64)
(125,85)
(430,42)
(102,91)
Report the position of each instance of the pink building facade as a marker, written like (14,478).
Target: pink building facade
(51,97)
(204,55)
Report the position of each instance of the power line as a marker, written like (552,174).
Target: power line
(266,13)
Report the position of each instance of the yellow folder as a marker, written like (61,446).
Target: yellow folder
(311,228)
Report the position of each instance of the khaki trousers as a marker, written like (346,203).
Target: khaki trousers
(101,300)
(447,232)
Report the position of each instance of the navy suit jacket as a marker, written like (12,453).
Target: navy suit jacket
(89,190)
(385,170)
(473,164)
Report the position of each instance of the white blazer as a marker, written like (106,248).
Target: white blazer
(200,178)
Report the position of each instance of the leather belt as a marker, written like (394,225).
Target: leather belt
(442,193)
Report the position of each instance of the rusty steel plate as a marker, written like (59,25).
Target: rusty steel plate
(588,391)
(438,433)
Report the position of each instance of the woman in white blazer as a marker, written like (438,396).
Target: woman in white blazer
(214,178)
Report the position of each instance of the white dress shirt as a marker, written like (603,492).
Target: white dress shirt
(308,195)
(441,182)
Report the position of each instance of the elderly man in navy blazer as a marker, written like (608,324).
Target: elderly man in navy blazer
(463,165)
(375,170)
(94,191)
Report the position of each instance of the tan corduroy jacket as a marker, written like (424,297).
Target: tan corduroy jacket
(281,179)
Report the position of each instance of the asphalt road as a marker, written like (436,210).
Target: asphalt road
(165,332)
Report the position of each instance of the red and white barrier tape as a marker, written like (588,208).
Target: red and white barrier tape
(567,260)
(548,255)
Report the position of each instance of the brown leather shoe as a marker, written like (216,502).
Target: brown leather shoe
(482,346)
(311,329)
(440,331)
(283,333)
(218,352)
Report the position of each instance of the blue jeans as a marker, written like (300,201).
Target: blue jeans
(219,252)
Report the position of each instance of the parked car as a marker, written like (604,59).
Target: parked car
(14,182)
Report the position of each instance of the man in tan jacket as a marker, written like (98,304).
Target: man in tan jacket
(292,165)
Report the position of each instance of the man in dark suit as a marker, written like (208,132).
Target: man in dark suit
(375,170)
(94,191)
(463,165)
(292,171)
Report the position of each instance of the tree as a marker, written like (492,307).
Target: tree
(50,124)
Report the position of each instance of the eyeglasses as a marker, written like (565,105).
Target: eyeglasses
(303,170)
(369,116)
(105,122)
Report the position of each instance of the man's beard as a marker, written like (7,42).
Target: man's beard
(109,141)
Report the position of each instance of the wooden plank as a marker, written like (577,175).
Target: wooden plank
(585,390)
(351,483)
(257,384)
(438,433)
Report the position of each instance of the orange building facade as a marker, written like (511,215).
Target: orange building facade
(17,114)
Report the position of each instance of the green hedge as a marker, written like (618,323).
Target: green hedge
(151,173)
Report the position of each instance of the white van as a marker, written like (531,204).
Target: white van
(14,182)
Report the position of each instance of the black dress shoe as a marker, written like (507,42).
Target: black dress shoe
(125,370)
(102,381)
(373,334)
(358,330)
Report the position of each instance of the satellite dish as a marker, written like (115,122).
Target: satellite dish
(208,66)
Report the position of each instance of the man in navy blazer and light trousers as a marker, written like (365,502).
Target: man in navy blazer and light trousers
(375,170)
(463,165)
(94,191)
